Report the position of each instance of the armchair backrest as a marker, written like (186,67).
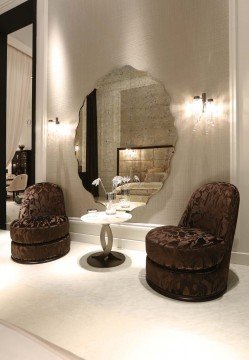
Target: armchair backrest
(19,183)
(213,208)
(42,199)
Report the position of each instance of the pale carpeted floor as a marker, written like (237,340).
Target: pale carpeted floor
(113,314)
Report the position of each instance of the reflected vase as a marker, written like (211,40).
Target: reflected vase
(110,206)
(125,198)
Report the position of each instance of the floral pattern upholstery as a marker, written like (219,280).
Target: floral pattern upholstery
(184,248)
(191,261)
(190,285)
(37,253)
(42,231)
(33,230)
(39,221)
(41,200)
(214,209)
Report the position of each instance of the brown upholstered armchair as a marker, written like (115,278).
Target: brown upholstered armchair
(42,231)
(191,261)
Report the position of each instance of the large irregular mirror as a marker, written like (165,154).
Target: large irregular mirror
(125,132)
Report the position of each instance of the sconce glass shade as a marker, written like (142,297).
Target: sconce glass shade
(203,111)
(197,107)
(210,112)
(53,125)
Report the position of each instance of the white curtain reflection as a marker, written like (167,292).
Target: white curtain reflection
(19,72)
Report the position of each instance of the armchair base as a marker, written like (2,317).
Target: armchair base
(189,286)
(184,298)
(40,253)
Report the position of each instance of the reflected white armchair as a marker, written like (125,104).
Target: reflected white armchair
(18,184)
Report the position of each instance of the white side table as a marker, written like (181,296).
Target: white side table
(107,257)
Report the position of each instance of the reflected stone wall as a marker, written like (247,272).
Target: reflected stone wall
(139,161)
(145,117)
(108,113)
(132,110)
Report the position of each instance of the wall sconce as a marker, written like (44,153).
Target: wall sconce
(53,126)
(203,110)
(201,102)
(59,130)
(56,121)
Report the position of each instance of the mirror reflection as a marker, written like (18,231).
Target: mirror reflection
(19,118)
(125,132)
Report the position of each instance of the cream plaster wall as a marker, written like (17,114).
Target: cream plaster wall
(182,43)
(242,55)
(26,135)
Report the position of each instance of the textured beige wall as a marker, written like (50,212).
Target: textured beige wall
(242,244)
(182,43)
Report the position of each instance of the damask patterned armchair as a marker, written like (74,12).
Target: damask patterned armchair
(42,231)
(191,261)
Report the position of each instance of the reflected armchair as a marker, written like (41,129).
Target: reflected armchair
(18,184)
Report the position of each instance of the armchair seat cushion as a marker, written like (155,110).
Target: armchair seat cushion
(39,229)
(183,248)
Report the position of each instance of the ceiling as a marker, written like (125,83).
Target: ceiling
(24,35)
(6,5)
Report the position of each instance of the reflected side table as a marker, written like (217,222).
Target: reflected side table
(106,258)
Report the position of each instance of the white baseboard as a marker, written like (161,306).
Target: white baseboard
(240,258)
(129,231)
(128,236)
(117,242)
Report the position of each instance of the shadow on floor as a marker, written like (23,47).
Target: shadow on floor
(83,263)
(233,280)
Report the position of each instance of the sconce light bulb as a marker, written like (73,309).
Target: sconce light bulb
(52,125)
(197,106)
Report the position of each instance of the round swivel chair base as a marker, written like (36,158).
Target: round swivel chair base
(33,262)
(41,252)
(183,297)
(191,286)
(99,260)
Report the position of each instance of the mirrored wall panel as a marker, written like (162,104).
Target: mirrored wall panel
(18,118)
(125,132)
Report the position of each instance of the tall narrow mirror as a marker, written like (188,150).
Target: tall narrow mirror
(125,132)
(19,118)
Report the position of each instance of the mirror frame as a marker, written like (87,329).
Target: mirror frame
(10,21)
